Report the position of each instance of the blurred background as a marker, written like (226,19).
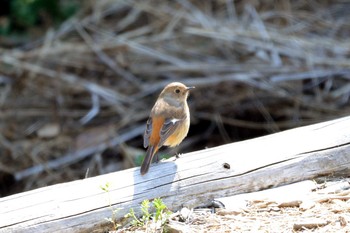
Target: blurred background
(78,78)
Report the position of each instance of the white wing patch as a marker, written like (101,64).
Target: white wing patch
(169,127)
(174,120)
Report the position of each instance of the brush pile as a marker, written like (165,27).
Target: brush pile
(74,102)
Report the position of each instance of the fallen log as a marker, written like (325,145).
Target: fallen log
(195,179)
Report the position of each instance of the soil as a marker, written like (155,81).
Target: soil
(326,209)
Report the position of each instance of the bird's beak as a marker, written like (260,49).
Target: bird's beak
(189,88)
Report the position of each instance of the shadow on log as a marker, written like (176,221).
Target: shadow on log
(195,179)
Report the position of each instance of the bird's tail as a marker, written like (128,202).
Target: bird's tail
(148,159)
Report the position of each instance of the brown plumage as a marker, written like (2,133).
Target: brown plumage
(168,122)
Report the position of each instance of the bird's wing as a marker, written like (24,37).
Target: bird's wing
(148,132)
(169,127)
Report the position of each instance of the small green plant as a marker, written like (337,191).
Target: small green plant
(146,216)
(112,219)
(159,217)
(162,212)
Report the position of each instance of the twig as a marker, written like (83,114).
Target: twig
(74,157)
(94,110)
(313,223)
(197,14)
(103,92)
(253,125)
(276,60)
(312,74)
(105,59)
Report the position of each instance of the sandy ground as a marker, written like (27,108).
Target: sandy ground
(325,209)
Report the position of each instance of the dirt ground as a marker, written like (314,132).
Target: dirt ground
(324,209)
(330,216)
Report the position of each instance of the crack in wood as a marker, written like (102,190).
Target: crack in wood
(324,149)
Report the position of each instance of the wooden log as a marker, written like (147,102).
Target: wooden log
(195,179)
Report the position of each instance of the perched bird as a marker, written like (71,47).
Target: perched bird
(168,122)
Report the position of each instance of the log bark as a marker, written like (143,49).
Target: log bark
(194,179)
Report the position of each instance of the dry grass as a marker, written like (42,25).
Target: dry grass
(74,102)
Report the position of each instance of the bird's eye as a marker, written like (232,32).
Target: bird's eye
(177,91)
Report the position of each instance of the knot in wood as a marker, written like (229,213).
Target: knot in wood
(226,165)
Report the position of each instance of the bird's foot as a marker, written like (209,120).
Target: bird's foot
(177,155)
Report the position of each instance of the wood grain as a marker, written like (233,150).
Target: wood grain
(195,179)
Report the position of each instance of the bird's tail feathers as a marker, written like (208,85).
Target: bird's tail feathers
(148,159)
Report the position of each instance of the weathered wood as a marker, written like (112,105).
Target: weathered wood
(194,179)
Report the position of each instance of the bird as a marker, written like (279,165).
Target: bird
(168,122)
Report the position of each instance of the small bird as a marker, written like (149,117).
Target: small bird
(168,123)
